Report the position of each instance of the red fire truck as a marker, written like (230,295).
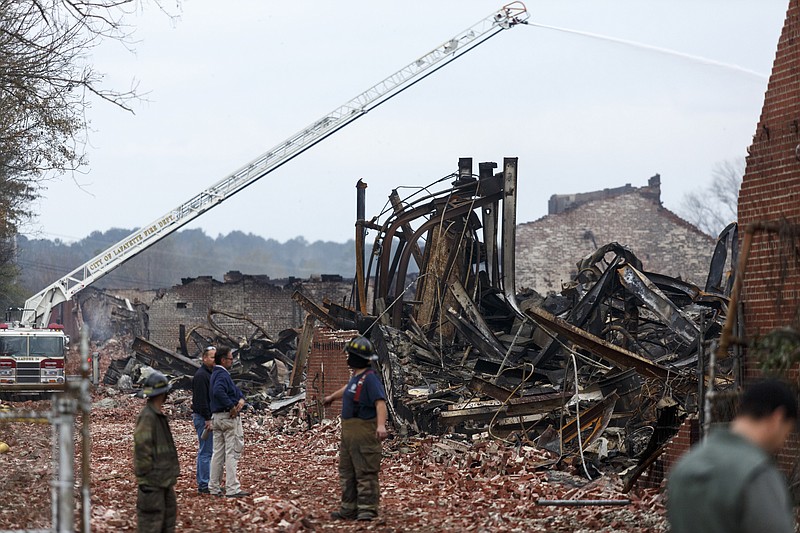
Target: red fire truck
(31,356)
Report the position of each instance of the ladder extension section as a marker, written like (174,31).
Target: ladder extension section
(37,308)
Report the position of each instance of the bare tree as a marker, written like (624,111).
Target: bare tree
(715,206)
(46,80)
(46,86)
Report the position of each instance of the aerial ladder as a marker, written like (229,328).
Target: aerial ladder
(38,307)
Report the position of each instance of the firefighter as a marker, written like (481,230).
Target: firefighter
(363,429)
(155,460)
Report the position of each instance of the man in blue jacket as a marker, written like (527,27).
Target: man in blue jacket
(227,402)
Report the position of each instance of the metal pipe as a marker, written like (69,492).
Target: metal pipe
(30,416)
(582,503)
(64,408)
(361,291)
(85,401)
(712,363)
(32,387)
(701,371)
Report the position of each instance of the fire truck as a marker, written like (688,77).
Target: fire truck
(32,358)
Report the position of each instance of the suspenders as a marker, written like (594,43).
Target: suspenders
(357,396)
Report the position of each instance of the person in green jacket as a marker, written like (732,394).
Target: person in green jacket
(729,483)
(155,461)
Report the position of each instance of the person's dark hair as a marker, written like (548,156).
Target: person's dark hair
(762,398)
(222,353)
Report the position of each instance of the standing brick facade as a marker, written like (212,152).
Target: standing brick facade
(548,249)
(268,303)
(327,368)
(687,436)
(771,192)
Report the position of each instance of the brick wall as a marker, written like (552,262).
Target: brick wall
(548,248)
(267,303)
(771,193)
(327,368)
(687,436)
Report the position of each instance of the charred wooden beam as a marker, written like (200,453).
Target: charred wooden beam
(397,205)
(599,412)
(152,354)
(313,309)
(489,389)
(488,348)
(303,346)
(445,259)
(471,311)
(486,410)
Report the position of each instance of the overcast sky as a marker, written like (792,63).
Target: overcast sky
(229,80)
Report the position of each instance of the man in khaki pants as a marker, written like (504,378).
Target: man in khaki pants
(226,403)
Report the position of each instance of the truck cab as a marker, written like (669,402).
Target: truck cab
(32,356)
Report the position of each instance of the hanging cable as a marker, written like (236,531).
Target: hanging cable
(578,417)
(505,402)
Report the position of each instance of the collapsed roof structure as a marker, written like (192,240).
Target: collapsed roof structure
(462,352)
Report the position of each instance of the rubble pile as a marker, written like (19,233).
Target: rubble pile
(261,369)
(604,371)
(601,374)
(428,483)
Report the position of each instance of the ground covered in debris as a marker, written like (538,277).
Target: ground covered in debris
(427,484)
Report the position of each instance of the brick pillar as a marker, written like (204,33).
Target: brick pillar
(327,368)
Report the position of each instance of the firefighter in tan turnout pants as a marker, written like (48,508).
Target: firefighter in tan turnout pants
(363,429)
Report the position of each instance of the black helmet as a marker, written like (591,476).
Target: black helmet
(155,384)
(361,347)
